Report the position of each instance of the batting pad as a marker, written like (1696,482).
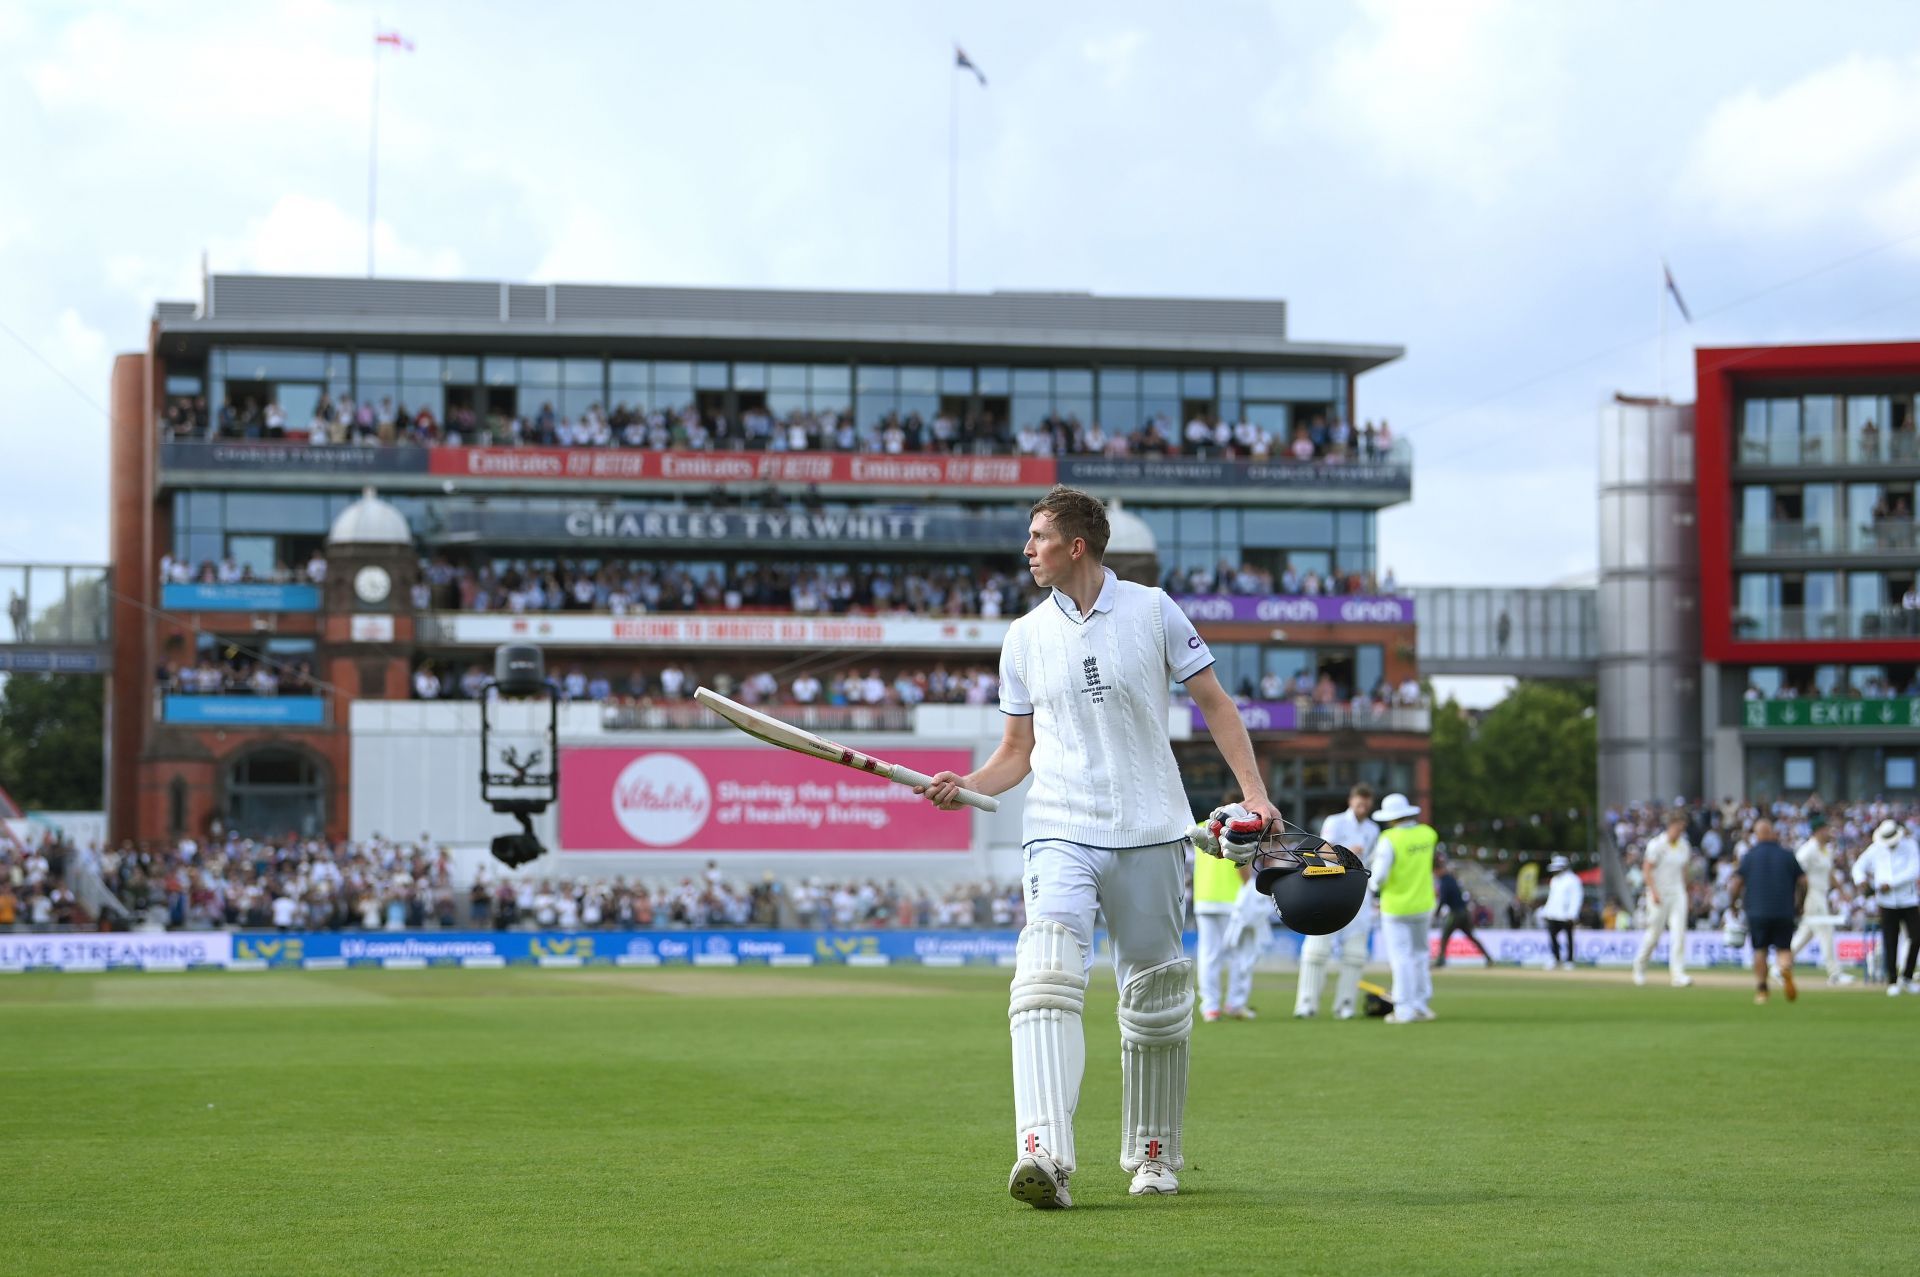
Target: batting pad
(1049,1045)
(1353,964)
(1156,1020)
(1315,952)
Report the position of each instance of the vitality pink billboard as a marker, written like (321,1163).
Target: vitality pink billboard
(750,800)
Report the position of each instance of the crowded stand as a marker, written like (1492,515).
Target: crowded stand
(1721,832)
(1318,439)
(384,885)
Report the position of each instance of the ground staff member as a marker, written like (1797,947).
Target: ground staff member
(1084,682)
(1216,893)
(1665,864)
(1892,863)
(1816,858)
(1455,916)
(1402,886)
(1565,893)
(1774,887)
(1354,829)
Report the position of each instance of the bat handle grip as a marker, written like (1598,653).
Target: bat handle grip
(981,802)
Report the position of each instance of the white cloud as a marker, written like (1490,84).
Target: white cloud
(306,235)
(1839,145)
(1115,55)
(1462,95)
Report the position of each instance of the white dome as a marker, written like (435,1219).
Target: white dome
(370,521)
(1128,533)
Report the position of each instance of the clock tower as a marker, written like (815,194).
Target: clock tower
(368,626)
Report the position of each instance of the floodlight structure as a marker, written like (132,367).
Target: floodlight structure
(521,790)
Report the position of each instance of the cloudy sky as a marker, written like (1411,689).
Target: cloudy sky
(1490,184)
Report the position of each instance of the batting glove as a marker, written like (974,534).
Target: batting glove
(1235,832)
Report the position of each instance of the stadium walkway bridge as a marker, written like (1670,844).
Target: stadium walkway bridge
(57,618)
(1521,633)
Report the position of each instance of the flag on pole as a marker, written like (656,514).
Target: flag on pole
(962,62)
(1674,288)
(395,39)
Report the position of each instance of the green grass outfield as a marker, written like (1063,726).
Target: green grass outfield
(835,1120)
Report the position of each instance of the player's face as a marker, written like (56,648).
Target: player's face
(1049,556)
(1361,806)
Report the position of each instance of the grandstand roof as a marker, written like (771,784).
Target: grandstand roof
(599,317)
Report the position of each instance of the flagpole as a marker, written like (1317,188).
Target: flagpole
(953,179)
(373,146)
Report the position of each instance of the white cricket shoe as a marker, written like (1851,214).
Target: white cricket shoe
(1303,1015)
(1344,1011)
(1038,1181)
(1682,981)
(1153,1179)
(1424,1013)
(1639,976)
(1913,987)
(1773,970)
(1242,1013)
(1211,1017)
(1893,990)
(1840,977)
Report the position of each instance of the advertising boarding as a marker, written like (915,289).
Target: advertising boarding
(640,800)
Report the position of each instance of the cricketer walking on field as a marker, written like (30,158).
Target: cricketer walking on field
(1665,864)
(1816,858)
(1084,688)
(1354,830)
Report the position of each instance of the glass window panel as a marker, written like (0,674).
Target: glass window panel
(203,510)
(420,368)
(710,375)
(183,384)
(1797,774)
(1119,381)
(835,382)
(879,377)
(1274,418)
(1033,381)
(869,409)
(1297,385)
(1030,410)
(1119,412)
(1229,383)
(1783,431)
(1820,426)
(1311,561)
(1820,515)
(628,374)
(1073,381)
(1078,407)
(784,403)
(1369,664)
(583,372)
(1195,527)
(786,376)
(1756,518)
(271,365)
(749,376)
(575,400)
(372,366)
(1279,529)
(1196,383)
(540,372)
(995,381)
(501,370)
(1900,771)
(1753,430)
(1161,382)
(256,552)
(672,376)
(919,380)
(956,381)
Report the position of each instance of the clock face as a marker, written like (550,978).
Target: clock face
(372,584)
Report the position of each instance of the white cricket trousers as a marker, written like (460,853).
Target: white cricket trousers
(1218,959)
(1406,940)
(1669,915)
(1142,890)
(1829,952)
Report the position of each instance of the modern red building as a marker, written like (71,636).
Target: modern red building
(1806,468)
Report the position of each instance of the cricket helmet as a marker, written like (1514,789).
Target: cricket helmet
(1317,887)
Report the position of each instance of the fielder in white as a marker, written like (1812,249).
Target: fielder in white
(1231,918)
(1355,830)
(1084,686)
(1818,922)
(1665,864)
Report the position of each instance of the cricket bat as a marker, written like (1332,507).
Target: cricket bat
(771,730)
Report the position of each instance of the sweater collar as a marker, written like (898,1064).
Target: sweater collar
(1104,603)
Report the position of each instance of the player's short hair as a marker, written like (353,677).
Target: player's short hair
(1362,790)
(1076,514)
(1676,817)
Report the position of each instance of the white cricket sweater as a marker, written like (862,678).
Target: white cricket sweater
(1097,687)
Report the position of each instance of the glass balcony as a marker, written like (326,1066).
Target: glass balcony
(1795,624)
(1860,450)
(1881,537)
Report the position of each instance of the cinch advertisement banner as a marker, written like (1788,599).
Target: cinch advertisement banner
(751,800)
(112,949)
(1303,609)
(1618,948)
(919,471)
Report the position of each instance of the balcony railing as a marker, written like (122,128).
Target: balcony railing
(1793,623)
(1830,448)
(1883,536)
(689,716)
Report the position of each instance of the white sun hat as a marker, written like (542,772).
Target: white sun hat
(1395,807)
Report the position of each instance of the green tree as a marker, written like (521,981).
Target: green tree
(50,741)
(1522,774)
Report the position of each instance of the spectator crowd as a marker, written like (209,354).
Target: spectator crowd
(1313,437)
